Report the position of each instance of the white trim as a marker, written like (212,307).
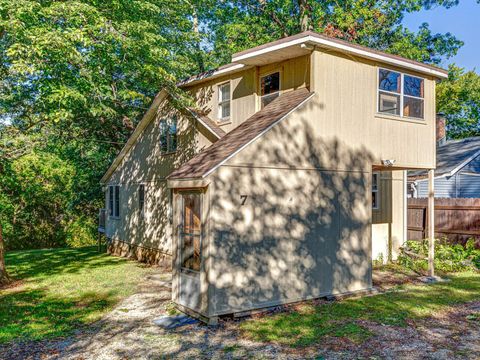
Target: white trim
(469,174)
(347,48)
(459,167)
(256,137)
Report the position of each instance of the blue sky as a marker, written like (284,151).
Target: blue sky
(463,21)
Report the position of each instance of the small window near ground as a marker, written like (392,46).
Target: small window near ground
(224,102)
(375,192)
(168,135)
(141,198)
(400,94)
(269,88)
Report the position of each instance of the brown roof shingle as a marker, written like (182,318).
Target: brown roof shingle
(207,160)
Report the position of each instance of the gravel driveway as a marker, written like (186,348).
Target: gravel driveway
(128,332)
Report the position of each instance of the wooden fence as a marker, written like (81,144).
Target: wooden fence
(455,219)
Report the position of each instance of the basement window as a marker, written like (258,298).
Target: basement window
(168,135)
(400,94)
(375,192)
(269,88)
(224,101)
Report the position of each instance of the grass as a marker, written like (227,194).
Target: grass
(60,290)
(309,323)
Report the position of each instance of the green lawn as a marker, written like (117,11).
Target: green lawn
(309,323)
(61,290)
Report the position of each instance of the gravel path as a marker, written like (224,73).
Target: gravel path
(128,332)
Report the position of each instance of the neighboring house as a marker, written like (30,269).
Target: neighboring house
(284,182)
(457,174)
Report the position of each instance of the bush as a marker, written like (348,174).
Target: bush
(448,257)
(81,232)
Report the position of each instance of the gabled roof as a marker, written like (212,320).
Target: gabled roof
(233,142)
(147,118)
(301,44)
(453,156)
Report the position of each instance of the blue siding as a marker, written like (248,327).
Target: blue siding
(473,166)
(469,186)
(444,187)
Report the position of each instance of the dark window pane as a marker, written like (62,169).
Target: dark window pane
(117,201)
(141,197)
(110,200)
(163,136)
(172,146)
(388,103)
(413,107)
(270,83)
(413,86)
(389,80)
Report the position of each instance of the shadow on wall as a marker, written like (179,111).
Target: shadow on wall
(304,228)
(146,164)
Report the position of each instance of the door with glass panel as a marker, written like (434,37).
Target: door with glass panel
(190,237)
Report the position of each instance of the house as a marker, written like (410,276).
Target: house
(457,174)
(284,182)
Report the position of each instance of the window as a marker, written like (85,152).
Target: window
(400,94)
(375,187)
(168,135)
(191,232)
(114,200)
(224,101)
(141,198)
(269,88)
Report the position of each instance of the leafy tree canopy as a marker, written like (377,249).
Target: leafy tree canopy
(459,99)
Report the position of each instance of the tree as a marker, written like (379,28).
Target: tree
(4,278)
(459,99)
(240,24)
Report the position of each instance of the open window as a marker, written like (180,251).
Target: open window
(400,94)
(269,88)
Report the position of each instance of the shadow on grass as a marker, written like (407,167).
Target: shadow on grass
(32,264)
(34,314)
(310,322)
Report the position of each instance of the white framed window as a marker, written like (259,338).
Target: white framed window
(269,88)
(375,191)
(400,94)
(224,101)
(114,201)
(141,199)
(168,135)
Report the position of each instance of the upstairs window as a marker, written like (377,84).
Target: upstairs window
(269,88)
(141,198)
(168,135)
(400,94)
(375,187)
(114,200)
(224,101)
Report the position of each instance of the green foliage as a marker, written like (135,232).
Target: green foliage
(448,257)
(62,290)
(309,323)
(80,232)
(240,24)
(459,99)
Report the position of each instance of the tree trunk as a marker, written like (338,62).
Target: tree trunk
(305,23)
(4,278)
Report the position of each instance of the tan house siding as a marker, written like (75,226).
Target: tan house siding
(149,237)
(304,230)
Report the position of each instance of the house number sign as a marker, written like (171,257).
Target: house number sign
(243,199)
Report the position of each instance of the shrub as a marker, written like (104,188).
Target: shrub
(81,232)
(448,257)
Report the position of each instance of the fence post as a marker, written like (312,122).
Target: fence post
(431,223)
